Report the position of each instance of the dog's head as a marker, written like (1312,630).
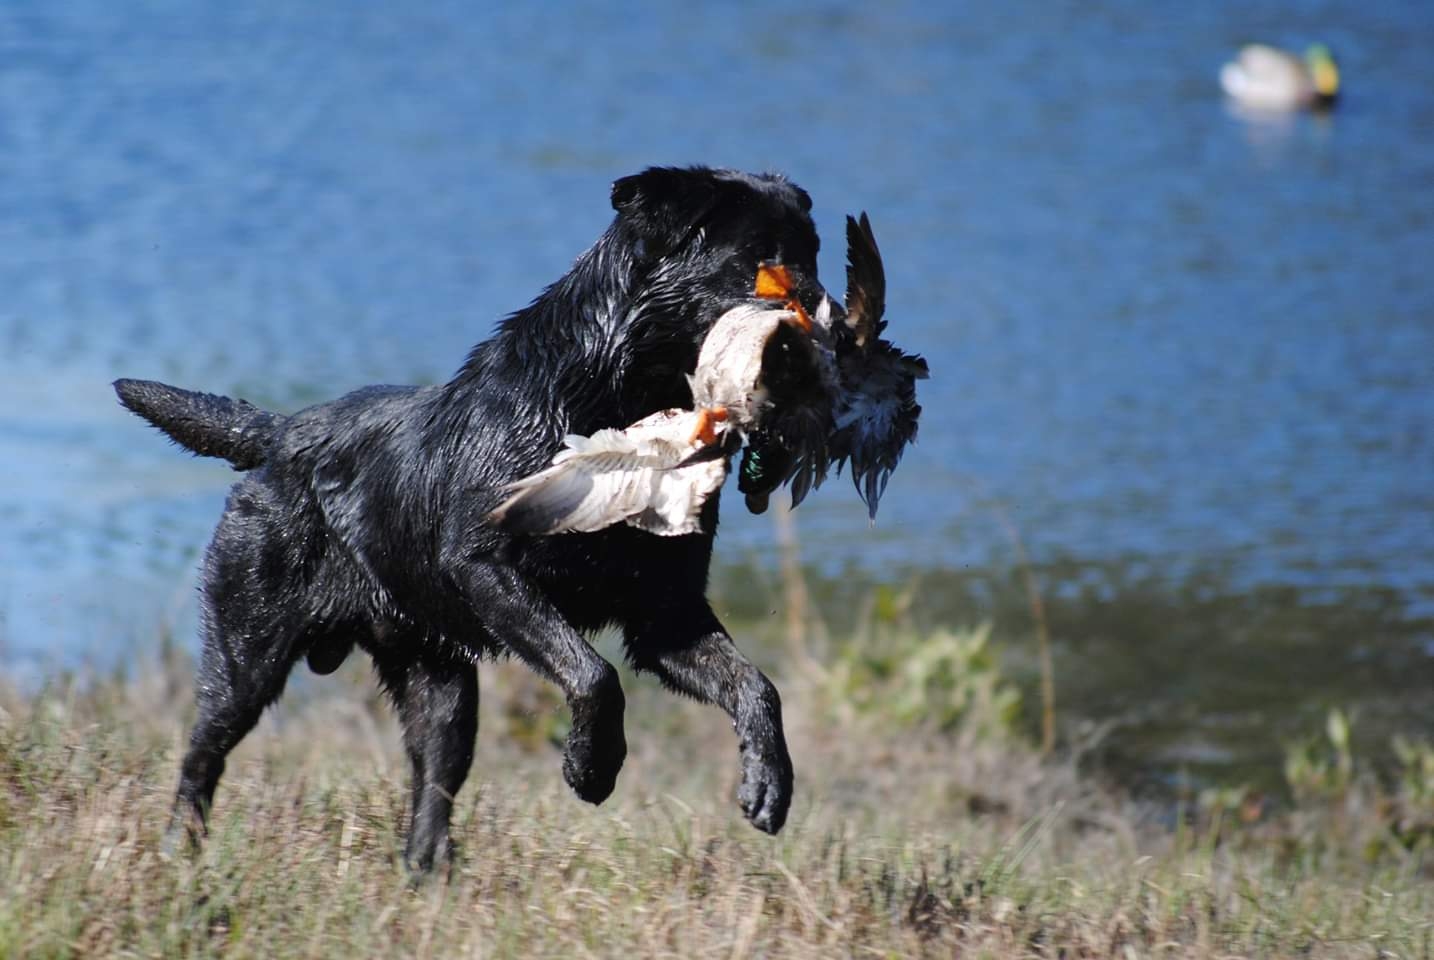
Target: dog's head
(715,221)
(694,237)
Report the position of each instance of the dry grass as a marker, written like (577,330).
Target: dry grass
(900,844)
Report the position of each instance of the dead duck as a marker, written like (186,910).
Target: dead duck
(874,410)
(787,377)
(789,446)
(749,358)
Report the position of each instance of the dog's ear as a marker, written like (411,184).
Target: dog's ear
(804,199)
(664,205)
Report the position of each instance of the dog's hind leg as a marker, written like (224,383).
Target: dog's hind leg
(521,620)
(239,675)
(691,653)
(437,701)
(250,644)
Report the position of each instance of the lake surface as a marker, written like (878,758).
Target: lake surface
(1188,353)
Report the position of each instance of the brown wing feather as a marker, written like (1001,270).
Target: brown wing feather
(865,282)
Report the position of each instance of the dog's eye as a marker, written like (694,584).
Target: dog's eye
(700,238)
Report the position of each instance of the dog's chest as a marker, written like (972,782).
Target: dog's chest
(619,575)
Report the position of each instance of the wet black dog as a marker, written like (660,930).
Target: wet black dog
(362,521)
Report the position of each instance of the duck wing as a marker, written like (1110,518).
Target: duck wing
(646,476)
(878,418)
(877,412)
(865,282)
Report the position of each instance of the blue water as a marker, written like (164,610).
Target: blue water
(1162,334)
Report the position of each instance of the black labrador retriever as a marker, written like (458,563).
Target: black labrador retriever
(363,521)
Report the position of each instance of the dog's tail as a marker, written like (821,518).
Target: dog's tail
(209,425)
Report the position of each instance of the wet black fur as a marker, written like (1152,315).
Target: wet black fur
(362,521)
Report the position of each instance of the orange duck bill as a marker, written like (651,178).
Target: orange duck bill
(774,282)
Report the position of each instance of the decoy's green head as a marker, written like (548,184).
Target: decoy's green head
(1323,71)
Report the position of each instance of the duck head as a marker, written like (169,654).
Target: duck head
(1324,74)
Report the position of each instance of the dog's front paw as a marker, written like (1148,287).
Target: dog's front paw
(591,768)
(595,751)
(766,790)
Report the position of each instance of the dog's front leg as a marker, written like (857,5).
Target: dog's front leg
(693,654)
(518,616)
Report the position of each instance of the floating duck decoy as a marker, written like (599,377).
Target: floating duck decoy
(1267,78)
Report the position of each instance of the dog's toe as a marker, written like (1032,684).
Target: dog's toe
(591,766)
(590,784)
(766,793)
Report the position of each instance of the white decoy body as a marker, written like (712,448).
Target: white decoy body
(1267,78)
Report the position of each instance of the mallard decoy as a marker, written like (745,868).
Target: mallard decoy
(654,475)
(874,403)
(1266,78)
